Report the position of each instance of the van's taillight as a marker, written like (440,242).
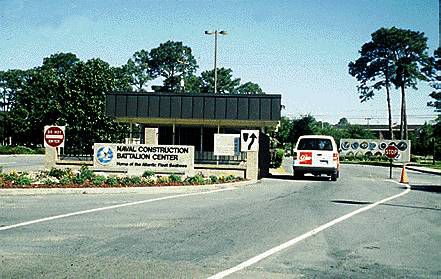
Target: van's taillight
(295,156)
(335,157)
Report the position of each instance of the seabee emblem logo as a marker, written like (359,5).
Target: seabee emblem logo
(104,155)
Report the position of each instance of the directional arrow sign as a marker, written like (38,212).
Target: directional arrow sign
(249,140)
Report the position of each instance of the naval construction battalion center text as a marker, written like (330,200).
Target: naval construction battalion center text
(167,153)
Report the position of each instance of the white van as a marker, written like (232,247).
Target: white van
(316,155)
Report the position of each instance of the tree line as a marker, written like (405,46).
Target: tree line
(289,130)
(65,90)
(397,58)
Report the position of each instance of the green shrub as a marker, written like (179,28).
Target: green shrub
(15,150)
(23,180)
(79,179)
(278,158)
(98,180)
(214,179)
(195,180)
(12,176)
(66,180)
(85,174)
(134,180)
(112,181)
(49,181)
(162,180)
(175,178)
(58,173)
(230,178)
(148,174)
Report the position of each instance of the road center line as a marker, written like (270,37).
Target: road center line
(109,207)
(304,236)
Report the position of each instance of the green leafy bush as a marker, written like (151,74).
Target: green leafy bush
(214,179)
(84,174)
(58,173)
(12,176)
(148,174)
(23,180)
(135,180)
(66,180)
(49,181)
(112,181)
(278,158)
(162,180)
(198,179)
(79,180)
(175,178)
(128,181)
(98,180)
(230,178)
(4,149)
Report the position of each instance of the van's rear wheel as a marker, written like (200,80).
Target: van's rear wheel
(334,176)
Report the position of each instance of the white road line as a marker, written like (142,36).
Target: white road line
(108,207)
(293,241)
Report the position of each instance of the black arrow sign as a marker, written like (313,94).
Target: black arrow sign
(253,137)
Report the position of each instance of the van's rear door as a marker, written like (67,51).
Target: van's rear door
(322,158)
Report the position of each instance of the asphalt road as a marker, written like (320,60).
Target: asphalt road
(22,162)
(200,235)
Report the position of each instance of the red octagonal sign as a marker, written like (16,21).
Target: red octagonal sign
(54,136)
(391,152)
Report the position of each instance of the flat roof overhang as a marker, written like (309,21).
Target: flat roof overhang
(198,122)
(195,109)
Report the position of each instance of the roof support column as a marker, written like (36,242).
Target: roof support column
(202,140)
(174,134)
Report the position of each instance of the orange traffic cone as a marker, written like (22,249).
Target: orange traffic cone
(404,179)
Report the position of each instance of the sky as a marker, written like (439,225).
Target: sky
(299,49)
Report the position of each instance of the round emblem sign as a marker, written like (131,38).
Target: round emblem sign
(54,136)
(104,155)
(391,152)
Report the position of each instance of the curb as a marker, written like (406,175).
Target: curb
(412,168)
(424,170)
(121,190)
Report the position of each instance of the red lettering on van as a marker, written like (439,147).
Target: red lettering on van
(305,158)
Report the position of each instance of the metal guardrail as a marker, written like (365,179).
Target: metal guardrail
(75,154)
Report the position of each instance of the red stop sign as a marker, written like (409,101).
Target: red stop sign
(391,152)
(54,136)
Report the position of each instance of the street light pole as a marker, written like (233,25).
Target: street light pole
(215,33)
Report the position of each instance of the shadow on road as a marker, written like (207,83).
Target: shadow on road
(425,188)
(352,202)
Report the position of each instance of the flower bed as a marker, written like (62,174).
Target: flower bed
(85,178)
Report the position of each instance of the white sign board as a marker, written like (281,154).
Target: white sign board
(249,140)
(54,136)
(226,144)
(370,147)
(158,158)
